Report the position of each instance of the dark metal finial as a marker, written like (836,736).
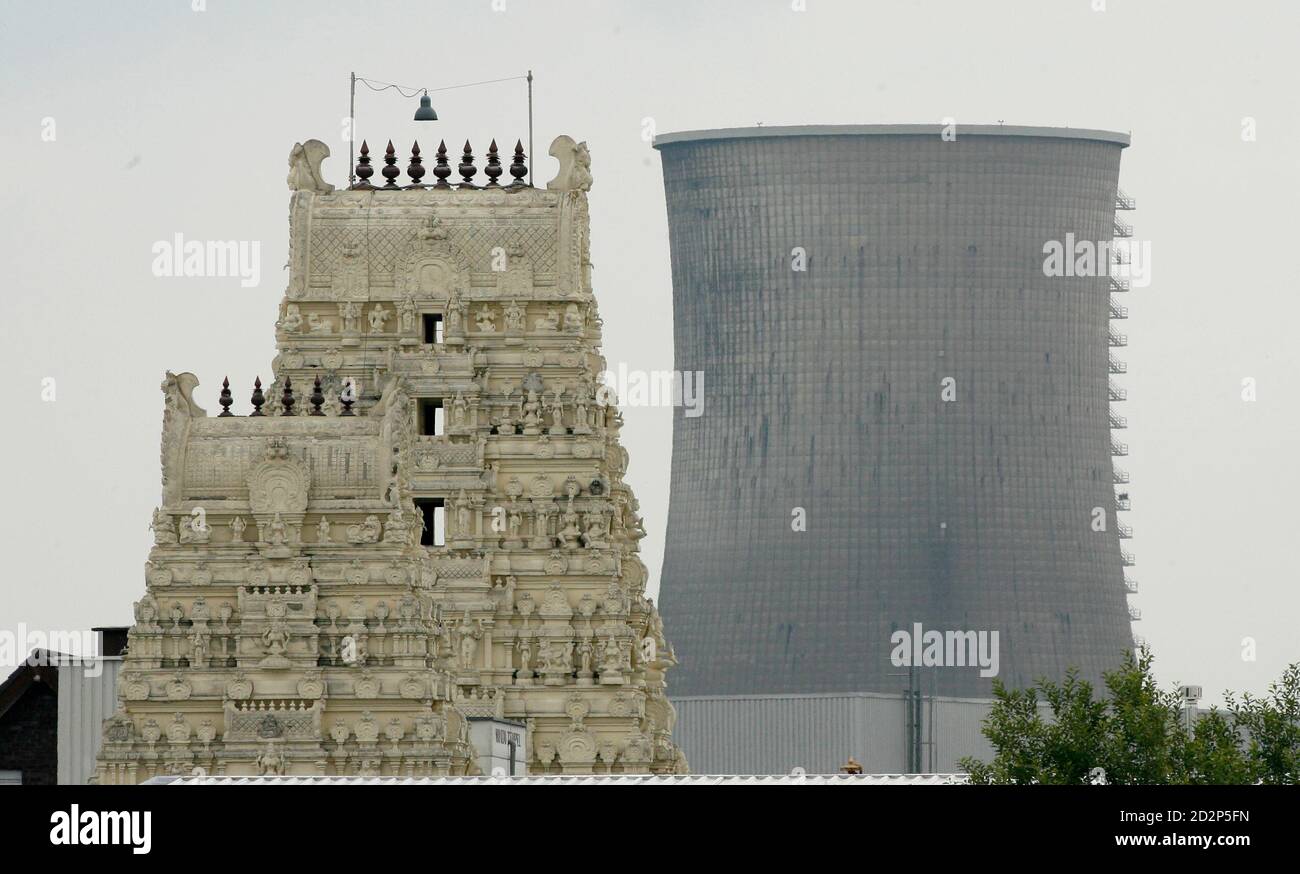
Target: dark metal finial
(317,399)
(226,399)
(364,171)
(348,397)
(286,399)
(494,168)
(517,167)
(391,171)
(467,169)
(416,168)
(441,169)
(258,398)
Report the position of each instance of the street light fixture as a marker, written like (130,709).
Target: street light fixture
(426,111)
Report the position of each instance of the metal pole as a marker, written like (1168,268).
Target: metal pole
(352,132)
(531,157)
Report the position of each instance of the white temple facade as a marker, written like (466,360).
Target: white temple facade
(420,532)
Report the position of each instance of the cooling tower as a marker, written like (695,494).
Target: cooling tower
(906,421)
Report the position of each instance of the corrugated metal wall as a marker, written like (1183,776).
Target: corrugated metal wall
(774,734)
(84,703)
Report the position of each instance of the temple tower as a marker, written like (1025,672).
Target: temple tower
(421,526)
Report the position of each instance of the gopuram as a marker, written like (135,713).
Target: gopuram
(412,552)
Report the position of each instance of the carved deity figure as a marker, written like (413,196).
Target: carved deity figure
(486,320)
(237,526)
(514,314)
(573,320)
(549,323)
(193,530)
(581,404)
(397,530)
(406,314)
(270,762)
(525,647)
(277,532)
(323,530)
(317,325)
(462,515)
(199,649)
(292,321)
(455,313)
(163,532)
(459,409)
(570,532)
(545,656)
(378,317)
(595,534)
(366,532)
(532,410)
(469,635)
(556,409)
(349,313)
(275,639)
(613,655)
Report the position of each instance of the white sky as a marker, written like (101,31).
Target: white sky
(173,121)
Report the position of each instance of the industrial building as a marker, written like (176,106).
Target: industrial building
(908,424)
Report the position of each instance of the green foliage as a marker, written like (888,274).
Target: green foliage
(1273,724)
(1137,734)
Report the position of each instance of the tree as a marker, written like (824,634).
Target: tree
(1273,725)
(1137,734)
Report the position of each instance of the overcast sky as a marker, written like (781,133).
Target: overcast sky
(168,120)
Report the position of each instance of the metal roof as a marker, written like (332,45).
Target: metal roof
(858,130)
(583,780)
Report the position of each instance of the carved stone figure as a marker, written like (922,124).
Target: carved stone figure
(194,530)
(455,314)
(575,165)
(163,532)
(469,636)
(292,321)
(304,167)
(277,533)
(349,314)
(458,411)
(573,320)
(463,516)
(549,323)
(397,530)
(366,532)
(270,761)
(275,638)
(514,315)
